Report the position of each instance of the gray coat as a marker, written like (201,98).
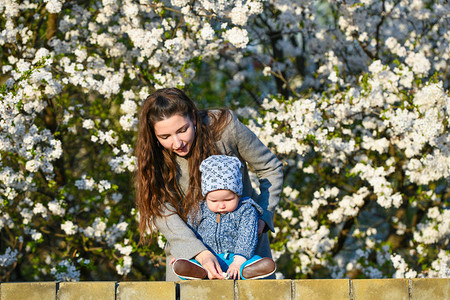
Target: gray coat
(236,140)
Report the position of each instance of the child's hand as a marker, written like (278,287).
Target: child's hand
(172,261)
(233,271)
(235,267)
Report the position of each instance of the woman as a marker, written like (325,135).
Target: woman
(174,138)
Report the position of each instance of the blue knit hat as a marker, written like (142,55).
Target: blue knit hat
(221,172)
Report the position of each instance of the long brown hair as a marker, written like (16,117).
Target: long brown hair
(156,176)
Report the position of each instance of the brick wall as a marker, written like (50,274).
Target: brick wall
(367,289)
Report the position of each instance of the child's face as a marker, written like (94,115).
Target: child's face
(222,201)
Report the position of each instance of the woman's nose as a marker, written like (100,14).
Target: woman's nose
(176,142)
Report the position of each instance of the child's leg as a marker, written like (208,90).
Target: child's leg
(257,267)
(225,260)
(189,269)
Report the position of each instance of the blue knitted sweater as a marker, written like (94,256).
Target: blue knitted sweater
(234,232)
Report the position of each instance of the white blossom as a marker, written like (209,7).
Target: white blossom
(56,207)
(129,107)
(126,267)
(88,124)
(237,37)
(69,228)
(207,32)
(418,62)
(124,250)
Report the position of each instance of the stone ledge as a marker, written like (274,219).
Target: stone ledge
(205,289)
(311,289)
(380,289)
(131,290)
(28,290)
(86,290)
(425,288)
(307,289)
(263,289)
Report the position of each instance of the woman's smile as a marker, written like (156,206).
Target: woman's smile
(181,150)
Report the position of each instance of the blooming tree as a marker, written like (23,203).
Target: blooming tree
(351,95)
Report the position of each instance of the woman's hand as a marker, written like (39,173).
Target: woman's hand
(261,226)
(210,263)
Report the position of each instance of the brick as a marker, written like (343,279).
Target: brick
(380,289)
(28,290)
(206,289)
(97,290)
(430,288)
(157,290)
(320,289)
(263,289)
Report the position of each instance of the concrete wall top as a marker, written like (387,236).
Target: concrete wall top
(311,289)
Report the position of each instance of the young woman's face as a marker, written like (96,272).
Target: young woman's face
(176,133)
(222,201)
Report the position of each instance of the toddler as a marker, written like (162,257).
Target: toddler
(227,224)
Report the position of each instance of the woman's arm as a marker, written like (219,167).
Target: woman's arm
(210,263)
(184,243)
(264,163)
(182,240)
